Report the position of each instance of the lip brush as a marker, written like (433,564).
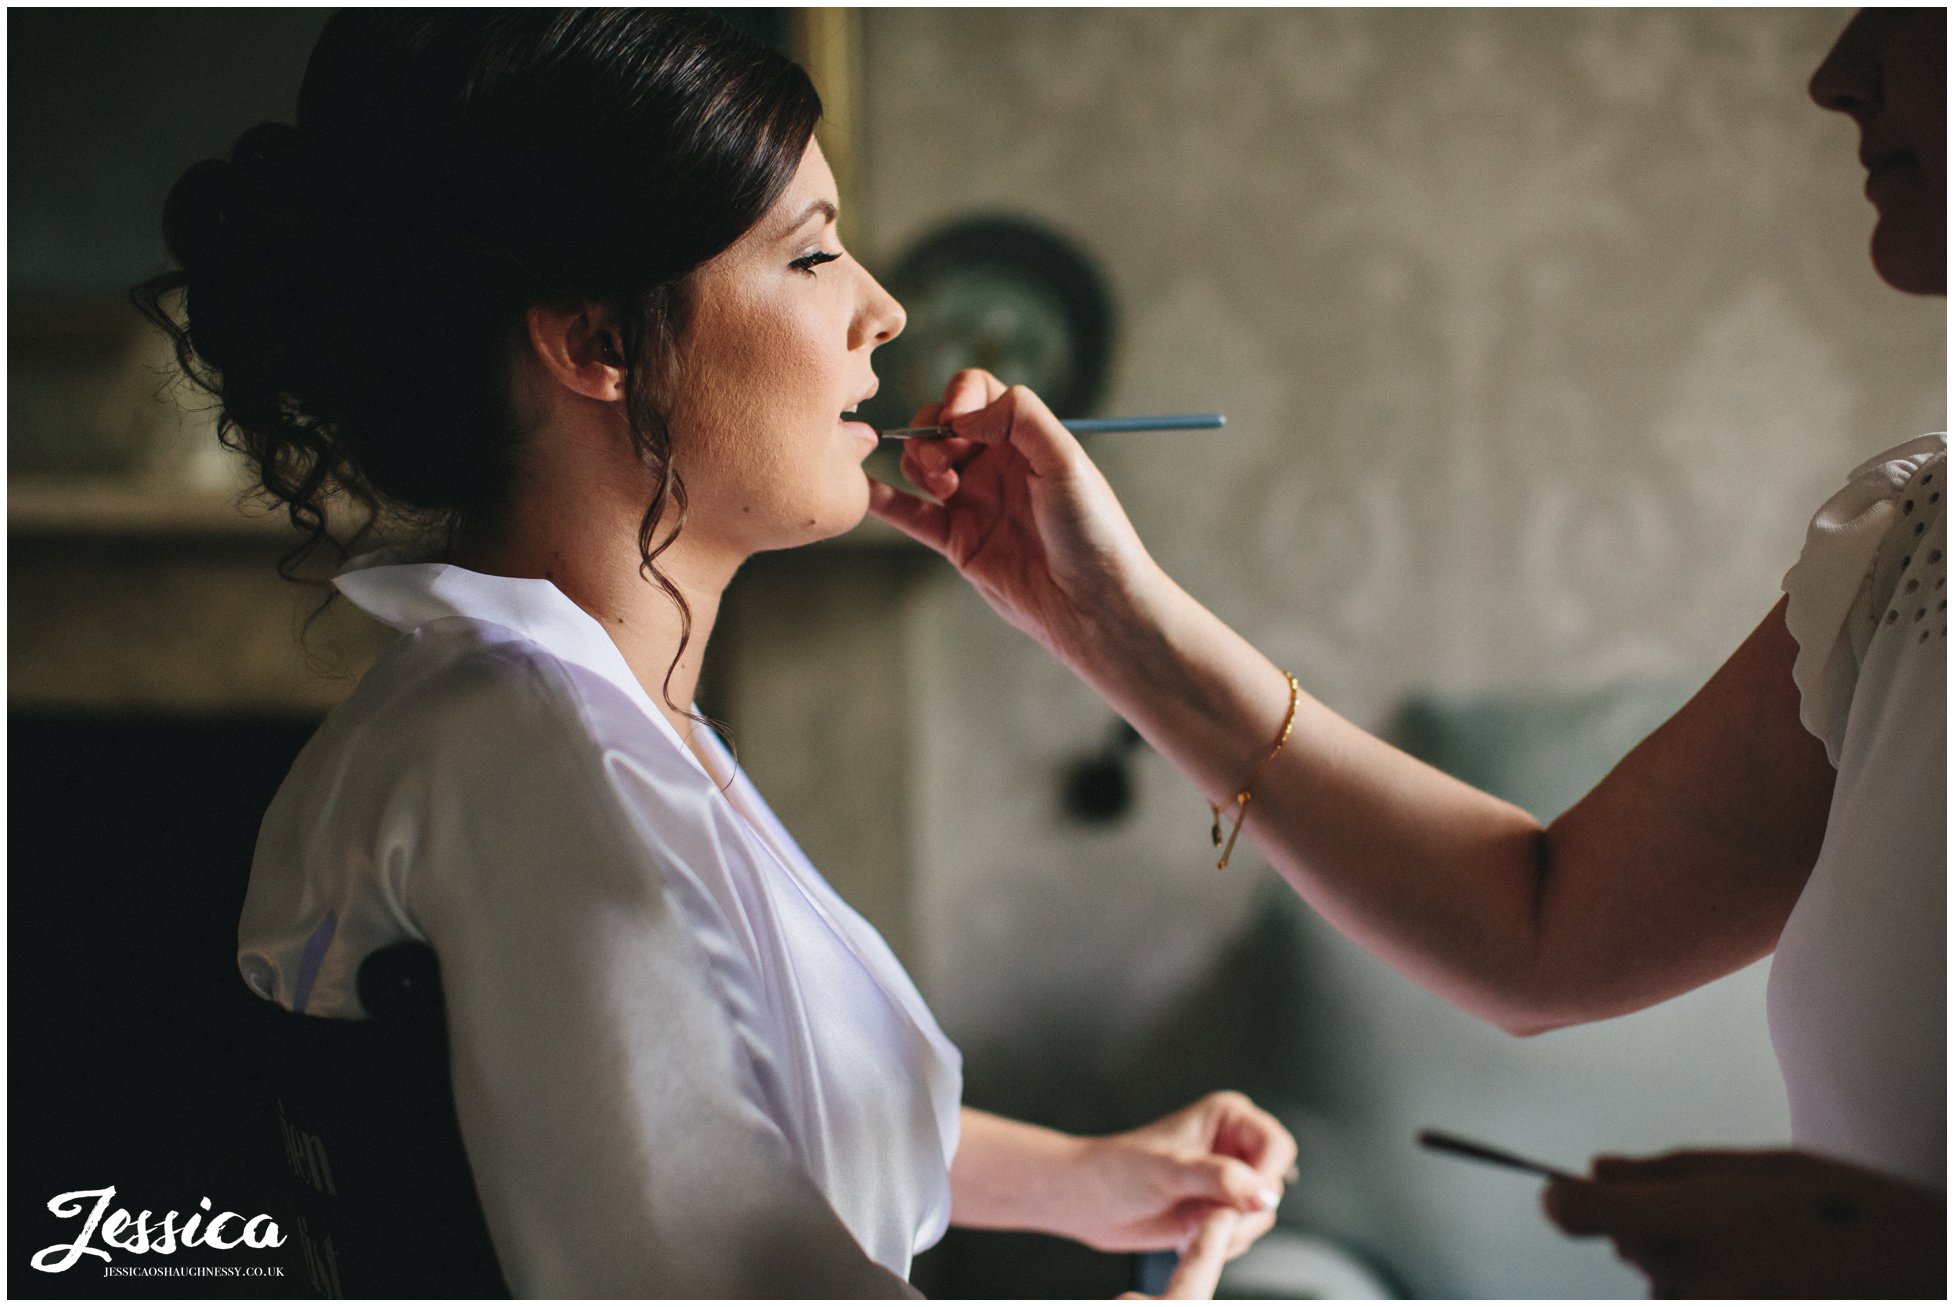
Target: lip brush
(1090,426)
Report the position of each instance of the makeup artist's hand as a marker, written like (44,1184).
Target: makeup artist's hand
(1774,1224)
(1024,514)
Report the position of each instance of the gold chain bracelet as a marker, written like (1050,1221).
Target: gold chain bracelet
(1247,791)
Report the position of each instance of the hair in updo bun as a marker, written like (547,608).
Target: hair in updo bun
(355,286)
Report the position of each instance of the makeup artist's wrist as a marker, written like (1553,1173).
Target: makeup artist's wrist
(1110,615)
(1119,639)
(1201,694)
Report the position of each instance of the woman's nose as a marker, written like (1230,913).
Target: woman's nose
(882,317)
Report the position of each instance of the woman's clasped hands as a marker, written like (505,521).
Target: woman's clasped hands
(1205,1181)
(1156,1187)
(1211,1173)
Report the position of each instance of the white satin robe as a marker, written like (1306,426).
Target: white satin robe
(683,1067)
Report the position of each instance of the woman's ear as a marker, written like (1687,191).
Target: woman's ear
(581,348)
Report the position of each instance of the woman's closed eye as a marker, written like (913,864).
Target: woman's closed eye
(809,262)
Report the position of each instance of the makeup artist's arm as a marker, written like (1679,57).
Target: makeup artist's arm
(1146,1189)
(1679,867)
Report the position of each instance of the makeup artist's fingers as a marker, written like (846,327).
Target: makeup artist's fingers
(941,460)
(932,465)
(1647,1228)
(1685,1163)
(928,468)
(916,518)
(968,391)
(922,462)
(1573,1205)
(1636,1213)
(1020,419)
(959,451)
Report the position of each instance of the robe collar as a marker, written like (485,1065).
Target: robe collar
(406,594)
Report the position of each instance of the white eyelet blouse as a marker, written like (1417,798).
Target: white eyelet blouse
(1858,988)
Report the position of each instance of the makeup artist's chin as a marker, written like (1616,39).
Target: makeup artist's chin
(1906,265)
(1909,239)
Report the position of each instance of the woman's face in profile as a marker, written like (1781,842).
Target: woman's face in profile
(1888,72)
(776,350)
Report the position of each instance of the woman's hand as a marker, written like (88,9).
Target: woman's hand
(1144,1190)
(1761,1225)
(1156,1186)
(1024,514)
(1199,1273)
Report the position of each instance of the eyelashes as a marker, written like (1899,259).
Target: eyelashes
(809,262)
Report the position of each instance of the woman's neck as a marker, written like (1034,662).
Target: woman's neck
(595,564)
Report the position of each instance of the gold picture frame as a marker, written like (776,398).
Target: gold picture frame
(828,43)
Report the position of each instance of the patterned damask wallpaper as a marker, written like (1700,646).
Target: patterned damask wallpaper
(1541,335)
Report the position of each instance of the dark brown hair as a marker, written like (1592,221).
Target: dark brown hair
(354,286)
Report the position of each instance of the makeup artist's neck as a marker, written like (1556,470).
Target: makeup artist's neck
(583,557)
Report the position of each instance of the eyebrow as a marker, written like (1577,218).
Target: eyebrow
(826,208)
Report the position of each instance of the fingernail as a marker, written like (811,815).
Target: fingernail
(1268,1198)
(1292,1175)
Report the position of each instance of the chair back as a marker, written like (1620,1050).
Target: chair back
(379,1181)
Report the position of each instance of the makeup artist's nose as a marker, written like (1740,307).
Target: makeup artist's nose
(881,318)
(1848,80)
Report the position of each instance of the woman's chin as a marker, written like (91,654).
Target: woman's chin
(836,515)
(855,510)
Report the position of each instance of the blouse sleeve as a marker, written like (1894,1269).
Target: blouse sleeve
(612,1107)
(1838,587)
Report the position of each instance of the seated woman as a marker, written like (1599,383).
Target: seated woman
(566,286)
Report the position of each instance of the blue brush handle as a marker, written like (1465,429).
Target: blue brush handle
(1163,422)
(1089,426)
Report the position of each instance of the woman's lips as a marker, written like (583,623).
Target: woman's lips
(863,431)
